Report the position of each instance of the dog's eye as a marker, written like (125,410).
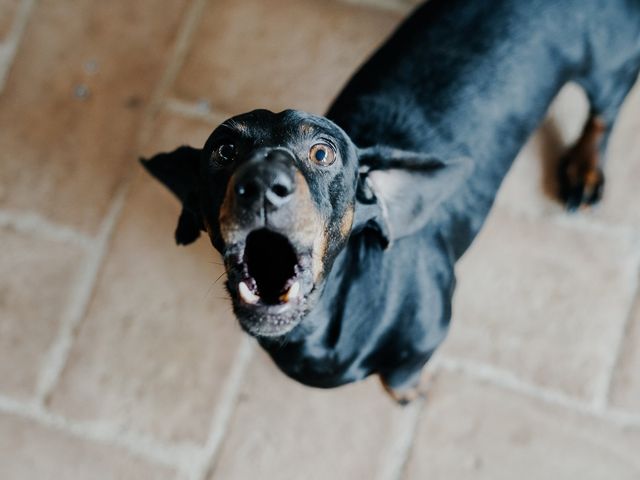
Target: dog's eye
(227,152)
(322,154)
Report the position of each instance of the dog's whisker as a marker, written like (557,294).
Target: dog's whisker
(212,287)
(283,340)
(210,290)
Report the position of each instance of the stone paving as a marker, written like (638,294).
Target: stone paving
(119,356)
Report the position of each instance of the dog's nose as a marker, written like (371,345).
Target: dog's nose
(267,179)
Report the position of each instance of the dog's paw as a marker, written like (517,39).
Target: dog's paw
(405,395)
(580,178)
(581,181)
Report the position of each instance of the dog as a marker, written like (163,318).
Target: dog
(340,233)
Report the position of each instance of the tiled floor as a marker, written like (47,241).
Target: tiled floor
(119,356)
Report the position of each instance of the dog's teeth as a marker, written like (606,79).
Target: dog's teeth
(293,292)
(247,295)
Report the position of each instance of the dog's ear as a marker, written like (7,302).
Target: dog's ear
(178,171)
(398,191)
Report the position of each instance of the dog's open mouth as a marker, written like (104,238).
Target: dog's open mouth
(269,278)
(270,270)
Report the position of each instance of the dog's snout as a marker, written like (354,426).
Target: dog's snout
(276,187)
(280,188)
(266,180)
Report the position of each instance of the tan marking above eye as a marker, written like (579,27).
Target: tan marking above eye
(322,154)
(306,129)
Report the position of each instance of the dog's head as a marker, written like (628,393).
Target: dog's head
(279,195)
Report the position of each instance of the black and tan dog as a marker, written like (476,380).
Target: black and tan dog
(340,233)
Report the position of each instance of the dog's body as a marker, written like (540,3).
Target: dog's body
(458,79)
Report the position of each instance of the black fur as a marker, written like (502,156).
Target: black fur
(444,106)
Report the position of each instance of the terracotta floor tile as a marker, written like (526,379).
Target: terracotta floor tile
(469,430)
(31,451)
(159,337)
(8,9)
(36,279)
(542,296)
(543,301)
(284,430)
(279,54)
(71,109)
(625,392)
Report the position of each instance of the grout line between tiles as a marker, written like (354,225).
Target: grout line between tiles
(401,443)
(194,110)
(508,381)
(224,410)
(604,387)
(33,223)
(9,48)
(177,456)
(55,360)
(174,64)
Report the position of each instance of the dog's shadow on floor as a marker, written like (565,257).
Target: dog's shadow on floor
(551,147)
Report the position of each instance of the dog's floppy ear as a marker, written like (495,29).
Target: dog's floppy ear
(398,191)
(178,171)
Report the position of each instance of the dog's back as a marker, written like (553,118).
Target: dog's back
(365,235)
(475,78)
